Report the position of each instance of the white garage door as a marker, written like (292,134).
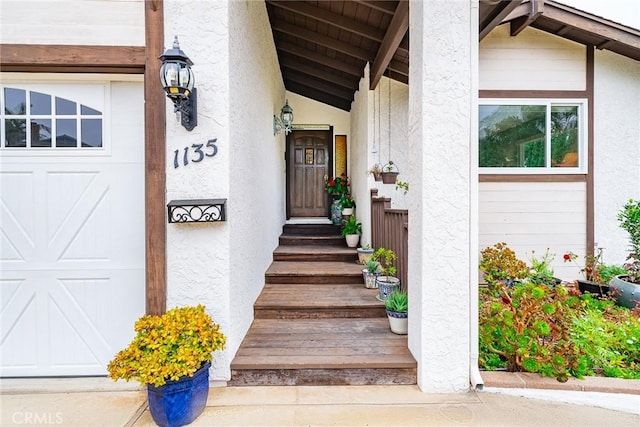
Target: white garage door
(72,225)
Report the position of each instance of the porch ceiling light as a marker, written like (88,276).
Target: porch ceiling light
(177,80)
(284,122)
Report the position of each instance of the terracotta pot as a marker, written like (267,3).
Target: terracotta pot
(389,177)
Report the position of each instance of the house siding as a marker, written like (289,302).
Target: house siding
(616,148)
(533,217)
(534,60)
(73,22)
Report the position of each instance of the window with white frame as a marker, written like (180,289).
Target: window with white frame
(532,136)
(32,119)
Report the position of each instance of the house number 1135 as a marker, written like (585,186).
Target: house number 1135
(196,153)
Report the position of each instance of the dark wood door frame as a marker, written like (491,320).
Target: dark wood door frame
(287,158)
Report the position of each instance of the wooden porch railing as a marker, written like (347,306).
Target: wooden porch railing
(390,229)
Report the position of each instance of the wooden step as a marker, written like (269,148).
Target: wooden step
(315,253)
(311,229)
(301,240)
(349,351)
(309,272)
(299,301)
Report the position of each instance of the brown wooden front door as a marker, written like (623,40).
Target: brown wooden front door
(309,162)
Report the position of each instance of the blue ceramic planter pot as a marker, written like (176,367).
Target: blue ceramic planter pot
(178,403)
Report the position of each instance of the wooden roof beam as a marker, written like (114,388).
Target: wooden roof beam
(395,33)
(304,79)
(334,63)
(381,6)
(536,8)
(319,72)
(322,40)
(498,15)
(317,95)
(331,18)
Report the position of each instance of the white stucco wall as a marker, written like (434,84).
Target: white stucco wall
(198,255)
(81,22)
(616,148)
(442,101)
(533,60)
(391,137)
(361,128)
(257,166)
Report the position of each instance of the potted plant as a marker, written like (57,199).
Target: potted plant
(348,204)
(389,173)
(597,274)
(370,274)
(627,286)
(351,231)
(364,254)
(171,354)
(336,187)
(376,171)
(387,282)
(397,308)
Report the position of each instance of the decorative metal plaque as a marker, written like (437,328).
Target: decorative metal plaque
(201,210)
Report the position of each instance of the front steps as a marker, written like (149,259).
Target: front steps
(315,322)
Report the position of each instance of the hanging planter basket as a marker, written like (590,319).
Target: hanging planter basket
(376,171)
(389,173)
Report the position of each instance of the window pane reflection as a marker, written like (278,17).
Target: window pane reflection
(41,132)
(40,103)
(15,101)
(15,133)
(66,133)
(65,107)
(91,133)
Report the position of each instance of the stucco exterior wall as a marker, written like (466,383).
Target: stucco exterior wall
(361,128)
(391,137)
(68,22)
(199,255)
(533,60)
(442,99)
(616,148)
(256,163)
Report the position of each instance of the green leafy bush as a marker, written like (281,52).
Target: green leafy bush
(610,337)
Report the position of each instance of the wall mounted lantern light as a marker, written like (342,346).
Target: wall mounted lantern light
(177,80)
(284,122)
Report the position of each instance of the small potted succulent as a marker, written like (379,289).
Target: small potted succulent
(397,308)
(390,173)
(364,254)
(387,282)
(171,354)
(370,274)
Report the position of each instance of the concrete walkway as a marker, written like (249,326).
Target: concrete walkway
(100,402)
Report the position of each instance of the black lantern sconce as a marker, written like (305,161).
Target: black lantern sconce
(284,122)
(177,80)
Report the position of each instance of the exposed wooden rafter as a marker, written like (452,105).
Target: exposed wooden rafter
(394,35)
(497,15)
(320,58)
(536,8)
